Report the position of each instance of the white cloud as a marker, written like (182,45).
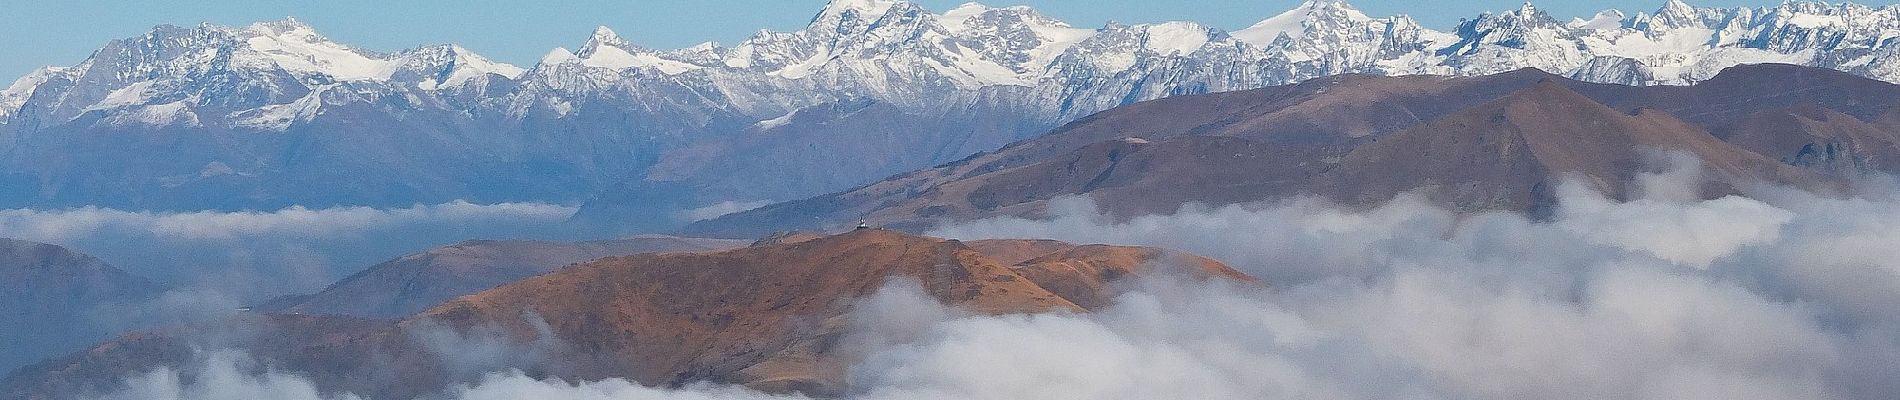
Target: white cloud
(513,386)
(221,375)
(1779,295)
(56,226)
(1788,296)
(216,262)
(1139,350)
(252,255)
(717,210)
(1692,233)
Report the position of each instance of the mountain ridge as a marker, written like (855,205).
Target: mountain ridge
(411,283)
(773,316)
(1494,142)
(626,128)
(56,299)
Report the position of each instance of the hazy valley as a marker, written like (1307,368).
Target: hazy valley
(971,203)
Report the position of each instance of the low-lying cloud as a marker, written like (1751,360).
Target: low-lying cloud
(216,262)
(254,253)
(1655,297)
(717,210)
(1780,294)
(77,223)
(221,375)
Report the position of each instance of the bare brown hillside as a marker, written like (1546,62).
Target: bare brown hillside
(771,316)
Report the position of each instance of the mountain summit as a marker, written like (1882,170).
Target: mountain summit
(1295,23)
(57,300)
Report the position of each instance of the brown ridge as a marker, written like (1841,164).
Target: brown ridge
(770,316)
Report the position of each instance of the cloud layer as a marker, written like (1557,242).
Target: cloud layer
(264,253)
(1778,295)
(218,261)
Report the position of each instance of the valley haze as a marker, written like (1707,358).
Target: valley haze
(971,202)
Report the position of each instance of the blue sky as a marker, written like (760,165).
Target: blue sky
(38,32)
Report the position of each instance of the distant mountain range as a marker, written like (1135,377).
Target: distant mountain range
(274,114)
(1493,142)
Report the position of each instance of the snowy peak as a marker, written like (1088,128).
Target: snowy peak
(1813,15)
(961,20)
(606,49)
(871,8)
(557,56)
(286,26)
(298,48)
(1602,21)
(446,66)
(604,34)
(602,37)
(900,53)
(1015,71)
(200,75)
(1177,38)
(843,16)
(15,95)
(1804,25)
(1676,12)
(955,16)
(1529,15)
(1675,15)
(1515,29)
(1310,15)
(1017,38)
(286,46)
(1677,7)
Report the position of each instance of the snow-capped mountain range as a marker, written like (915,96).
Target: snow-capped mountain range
(274,114)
